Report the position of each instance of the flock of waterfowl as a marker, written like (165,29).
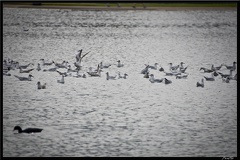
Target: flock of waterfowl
(179,71)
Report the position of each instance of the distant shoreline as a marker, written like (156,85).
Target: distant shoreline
(117,8)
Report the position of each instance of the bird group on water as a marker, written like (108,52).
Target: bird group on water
(179,71)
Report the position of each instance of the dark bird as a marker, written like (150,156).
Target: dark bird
(27,130)
(200,84)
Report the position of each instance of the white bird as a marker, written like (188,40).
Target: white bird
(46,63)
(95,73)
(25,71)
(182,76)
(210,78)
(119,64)
(24,78)
(103,66)
(145,70)
(216,68)
(110,77)
(39,86)
(124,76)
(153,67)
(62,80)
(173,67)
(50,70)
(200,84)
(38,67)
(153,80)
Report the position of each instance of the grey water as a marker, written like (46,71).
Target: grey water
(123,117)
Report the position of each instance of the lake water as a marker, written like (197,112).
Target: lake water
(123,117)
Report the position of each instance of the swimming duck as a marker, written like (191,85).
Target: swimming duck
(25,71)
(200,84)
(27,130)
(110,77)
(24,78)
(46,63)
(153,80)
(38,67)
(39,86)
(166,81)
(233,67)
(62,80)
(206,70)
(210,78)
(119,64)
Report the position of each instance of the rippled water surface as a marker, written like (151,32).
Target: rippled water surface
(123,117)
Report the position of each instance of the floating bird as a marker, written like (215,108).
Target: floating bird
(226,75)
(206,70)
(153,67)
(38,67)
(46,63)
(110,77)
(167,81)
(124,76)
(200,84)
(210,78)
(50,69)
(173,67)
(226,80)
(24,78)
(119,64)
(103,66)
(25,71)
(62,80)
(39,86)
(27,130)
(146,75)
(233,67)
(153,80)
(216,68)
(145,70)
(182,76)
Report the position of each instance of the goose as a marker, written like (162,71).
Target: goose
(110,77)
(103,66)
(27,130)
(145,70)
(62,80)
(124,76)
(119,64)
(233,67)
(200,84)
(216,68)
(38,67)
(167,81)
(226,75)
(25,71)
(24,78)
(153,80)
(146,75)
(39,86)
(210,78)
(46,63)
